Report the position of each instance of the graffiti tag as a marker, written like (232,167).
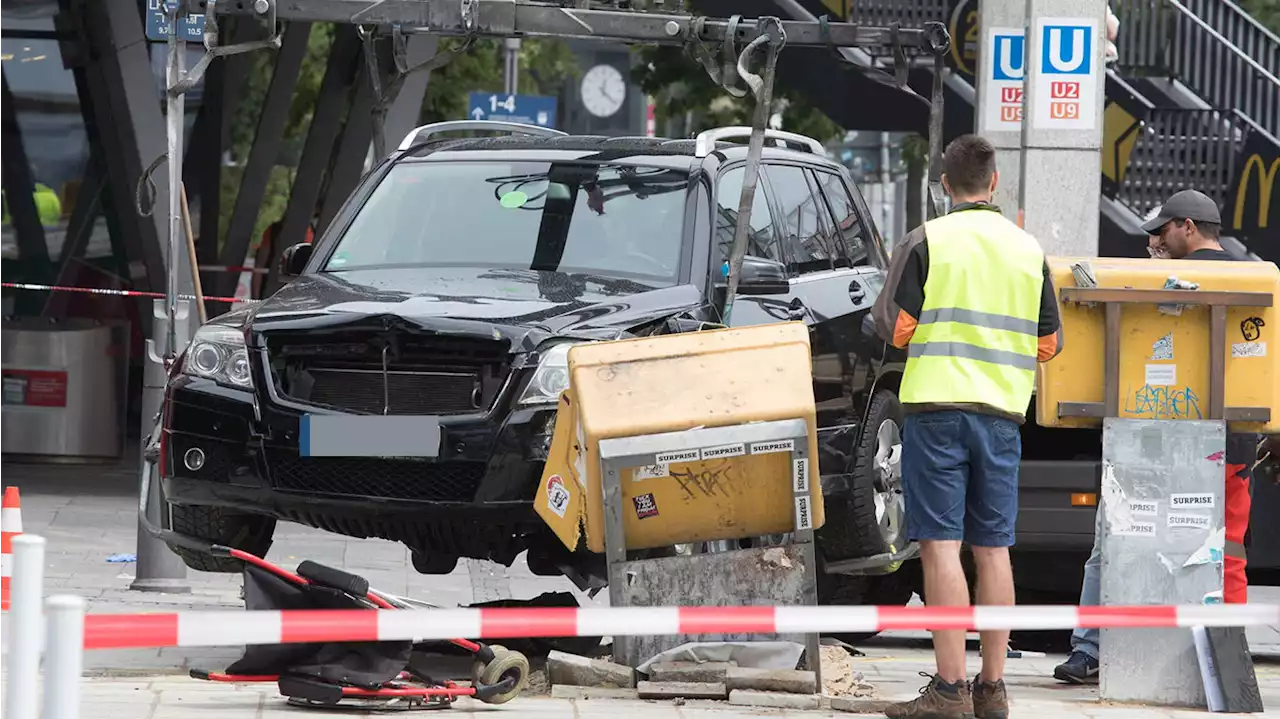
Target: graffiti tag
(708,482)
(1164,403)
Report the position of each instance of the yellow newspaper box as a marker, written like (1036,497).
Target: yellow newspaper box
(675,383)
(1167,354)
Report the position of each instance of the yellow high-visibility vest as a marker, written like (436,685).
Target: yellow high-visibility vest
(48,206)
(976,341)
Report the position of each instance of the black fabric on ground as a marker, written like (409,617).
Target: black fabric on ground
(360,664)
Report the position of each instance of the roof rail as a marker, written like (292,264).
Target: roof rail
(515,128)
(706,141)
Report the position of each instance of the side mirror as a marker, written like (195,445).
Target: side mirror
(762,277)
(295,259)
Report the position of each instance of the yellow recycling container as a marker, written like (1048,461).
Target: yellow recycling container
(1164,350)
(674,383)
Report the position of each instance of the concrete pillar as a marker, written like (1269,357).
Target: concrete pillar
(1062,124)
(998,111)
(1162,543)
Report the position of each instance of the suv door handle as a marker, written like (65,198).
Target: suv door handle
(796,310)
(856,291)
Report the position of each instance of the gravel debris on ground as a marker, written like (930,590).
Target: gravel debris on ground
(537,684)
(839,678)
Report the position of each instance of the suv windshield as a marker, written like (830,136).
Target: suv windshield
(578,218)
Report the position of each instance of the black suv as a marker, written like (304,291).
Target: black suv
(448,290)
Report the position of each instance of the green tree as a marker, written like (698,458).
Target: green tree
(245,123)
(684,93)
(545,65)
(1266,12)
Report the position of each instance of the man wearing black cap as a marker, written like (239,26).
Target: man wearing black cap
(1186,227)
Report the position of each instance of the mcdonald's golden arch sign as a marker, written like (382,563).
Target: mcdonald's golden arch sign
(1266,189)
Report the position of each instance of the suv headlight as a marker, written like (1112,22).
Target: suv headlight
(217,352)
(552,376)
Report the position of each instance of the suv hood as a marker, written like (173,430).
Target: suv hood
(524,306)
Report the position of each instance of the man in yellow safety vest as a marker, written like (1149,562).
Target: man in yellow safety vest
(970,298)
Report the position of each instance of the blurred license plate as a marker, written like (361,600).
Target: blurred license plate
(347,435)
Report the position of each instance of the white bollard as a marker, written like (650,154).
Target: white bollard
(64,657)
(21,700)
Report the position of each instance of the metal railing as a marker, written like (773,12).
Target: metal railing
(912,13)
(883,13)
(1179,149)
(1166,38)
(1240,29)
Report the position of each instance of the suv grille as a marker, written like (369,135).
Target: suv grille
(362,390)
(424,373)
(373,477)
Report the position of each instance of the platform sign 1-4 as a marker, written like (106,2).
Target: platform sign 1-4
(1066,93)
(524,109)
(1003,110)
(190,28)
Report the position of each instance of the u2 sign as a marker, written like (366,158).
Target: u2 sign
(1068,72)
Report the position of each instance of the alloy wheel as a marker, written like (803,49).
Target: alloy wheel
(890,509)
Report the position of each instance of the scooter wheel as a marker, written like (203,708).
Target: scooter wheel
(506,665)
(477,667)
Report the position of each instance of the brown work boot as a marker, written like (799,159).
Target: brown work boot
(937,700)
(990,700)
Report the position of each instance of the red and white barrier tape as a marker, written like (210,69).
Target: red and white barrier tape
(210,629)
(113,293)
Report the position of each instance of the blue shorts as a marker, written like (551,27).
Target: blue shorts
(960,477)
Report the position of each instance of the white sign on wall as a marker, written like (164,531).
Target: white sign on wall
(1066,93)
(1003,104)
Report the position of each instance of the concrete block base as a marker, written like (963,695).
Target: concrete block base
(776,700)
(682,690)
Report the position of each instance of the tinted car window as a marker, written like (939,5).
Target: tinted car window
(807,248)
(608,220)
(850,235)
(762,242)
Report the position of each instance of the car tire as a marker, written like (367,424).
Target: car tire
(887,590)
(247,532)
(853,528)
(433,562)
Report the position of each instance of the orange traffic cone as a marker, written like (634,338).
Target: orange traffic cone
(10,527)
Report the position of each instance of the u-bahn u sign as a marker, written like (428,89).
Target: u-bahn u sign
(1254,210)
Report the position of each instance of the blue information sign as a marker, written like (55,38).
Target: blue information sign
(524,109)
(190,28)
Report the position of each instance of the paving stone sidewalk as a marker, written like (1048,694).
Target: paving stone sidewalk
(895,676)
(88,515)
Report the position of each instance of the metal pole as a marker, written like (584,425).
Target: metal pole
(773,38)
(937,199)
(24,634)
(511,66)
(177,108)
(158,569)
(886,179)
(64,659)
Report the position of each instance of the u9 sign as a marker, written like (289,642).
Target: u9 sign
(1066,87)
(1066,100)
